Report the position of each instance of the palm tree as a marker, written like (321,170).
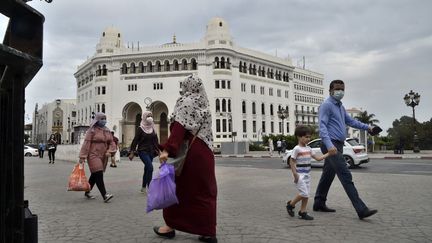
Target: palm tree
(367,118)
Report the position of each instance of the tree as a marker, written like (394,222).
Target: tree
(401,133)
(367,118)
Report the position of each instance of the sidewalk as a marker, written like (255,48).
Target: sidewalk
(250,209)
(427,154)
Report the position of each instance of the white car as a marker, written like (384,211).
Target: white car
(353,152)
(30,151)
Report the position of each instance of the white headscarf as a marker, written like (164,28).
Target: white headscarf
(192,109)
(146,126)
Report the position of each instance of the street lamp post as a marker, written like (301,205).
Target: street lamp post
(69,130)
(282,114)
(413,99)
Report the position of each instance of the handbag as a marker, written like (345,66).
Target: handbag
(179,160)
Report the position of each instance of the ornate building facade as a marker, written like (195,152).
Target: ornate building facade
(246,88)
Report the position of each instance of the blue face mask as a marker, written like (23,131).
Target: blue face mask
(338,94)
(101,123)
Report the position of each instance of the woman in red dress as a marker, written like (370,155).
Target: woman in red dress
(196,186)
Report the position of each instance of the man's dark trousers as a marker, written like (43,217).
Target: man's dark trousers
(336,165)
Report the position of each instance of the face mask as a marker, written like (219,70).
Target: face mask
(101,123)
(338,94)
(150,119)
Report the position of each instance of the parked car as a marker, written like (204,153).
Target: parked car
(354,153)
(30,151)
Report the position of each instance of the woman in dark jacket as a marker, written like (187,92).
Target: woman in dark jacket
(52,147)
(146,140)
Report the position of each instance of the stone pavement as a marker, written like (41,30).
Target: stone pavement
(251,207)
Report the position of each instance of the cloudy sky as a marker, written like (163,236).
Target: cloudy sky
(381,49)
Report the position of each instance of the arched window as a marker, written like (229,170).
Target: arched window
(149,67)
(228,64)
(241,67)
(158,67)
(141,67)
(262,109)
(244,67)
(98,108)
(271,110)
(229,105)
(223,105)
(254,69)
(217,105)
(124,68)
(184,64)
(222,63)
(253,108)
(103,108)
(250,69)
(104,70)
(176,65)
(98,71)
(216,62)
(244,107)
(132,68)
(166,66)
(194,64)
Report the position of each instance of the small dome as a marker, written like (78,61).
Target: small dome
(109,40)
(218,31)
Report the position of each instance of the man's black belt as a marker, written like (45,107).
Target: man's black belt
(304,165)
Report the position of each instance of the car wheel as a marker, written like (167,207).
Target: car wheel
(349,161)
(28,154)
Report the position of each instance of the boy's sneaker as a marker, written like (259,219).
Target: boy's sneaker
(290,209)
(107,197)
(305,216)
(88,195)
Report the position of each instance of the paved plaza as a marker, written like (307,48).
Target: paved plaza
(251,207)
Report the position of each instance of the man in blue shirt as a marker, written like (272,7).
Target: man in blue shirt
(332,125)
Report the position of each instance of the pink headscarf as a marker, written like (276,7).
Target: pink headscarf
(98,117)
(146,126)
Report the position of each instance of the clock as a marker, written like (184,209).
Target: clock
(57,114)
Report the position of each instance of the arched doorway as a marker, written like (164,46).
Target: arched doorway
(131,120)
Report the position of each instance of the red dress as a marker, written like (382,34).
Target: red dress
(196,186)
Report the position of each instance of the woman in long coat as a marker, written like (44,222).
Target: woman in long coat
(98,146)
(196,186)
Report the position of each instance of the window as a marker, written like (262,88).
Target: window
(263,126)
(254,126)
(244,126)
(103,90)
(103,108)
(262,90)
(253,89)
(218,125)
(286,94)
(243,87)
(224,125)
(217,105)
(271,91)
(272,127)
(157,86)
(98,90)
(223,105)
(184,64)
(228,84)
(229,105)
(132,87)
(223,84)
(279,92)
(271,110)
(217,84)
(253,108)
(244,107)
(262,109)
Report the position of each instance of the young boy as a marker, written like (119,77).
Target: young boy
(301,167)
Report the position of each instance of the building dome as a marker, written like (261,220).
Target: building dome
(218,32)
(109,40)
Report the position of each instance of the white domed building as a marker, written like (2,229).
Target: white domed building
(246,88)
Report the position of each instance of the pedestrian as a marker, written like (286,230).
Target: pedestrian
(97,147)
(41,149)
(284,146)
(52,147)
(279,146)
(332,128)
(300,164)
(196,185)
(271,146)
(147,142)
(114,156)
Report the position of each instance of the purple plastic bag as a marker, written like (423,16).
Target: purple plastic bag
(162,189)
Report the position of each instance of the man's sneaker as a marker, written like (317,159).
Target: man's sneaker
(144,190)
(290,209)
(88,195)
(305,216)
(107,197)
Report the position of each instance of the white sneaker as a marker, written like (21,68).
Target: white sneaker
(143,190)
(107,197)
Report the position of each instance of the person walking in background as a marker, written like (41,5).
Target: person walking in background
(41,149)
(332,128)
(147,142)
(113,157)
(196,185)
(271,146)
(97,147)
(300,164)
(279,146)
(52,147)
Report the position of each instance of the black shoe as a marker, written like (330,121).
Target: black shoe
(168,235)
(290,209)
(323,208)
(88,195)
(208,239)
(305,216)
(367,213)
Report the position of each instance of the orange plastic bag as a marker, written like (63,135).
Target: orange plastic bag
(78,180)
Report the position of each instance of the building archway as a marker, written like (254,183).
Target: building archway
(131,119)
(160,116)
